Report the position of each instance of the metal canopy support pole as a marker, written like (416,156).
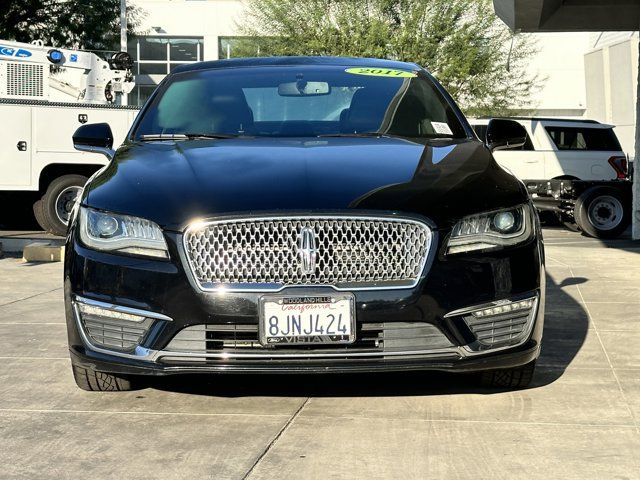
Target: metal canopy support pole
(636,166)
(123,38)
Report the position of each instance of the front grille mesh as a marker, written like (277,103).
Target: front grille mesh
(350,252)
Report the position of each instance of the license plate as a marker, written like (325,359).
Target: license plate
(307,319)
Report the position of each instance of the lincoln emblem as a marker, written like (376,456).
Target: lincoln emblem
(307,251)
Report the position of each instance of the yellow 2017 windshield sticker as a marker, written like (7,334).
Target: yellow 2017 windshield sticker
(381,72)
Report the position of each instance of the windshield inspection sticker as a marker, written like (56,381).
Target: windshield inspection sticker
(381,72)
(441,128)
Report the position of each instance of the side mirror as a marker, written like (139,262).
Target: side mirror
(503,134)
(95,138)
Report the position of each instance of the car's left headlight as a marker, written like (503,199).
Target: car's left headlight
(491,230)
(121,233)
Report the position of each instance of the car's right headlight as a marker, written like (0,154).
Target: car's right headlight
(491,230)
(121,233)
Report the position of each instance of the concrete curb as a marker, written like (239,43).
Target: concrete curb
(43,252)
(15,242)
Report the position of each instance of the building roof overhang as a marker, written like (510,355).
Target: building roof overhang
(569,15)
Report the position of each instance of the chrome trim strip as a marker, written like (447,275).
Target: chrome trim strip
(148,355)
(107,152)
(495,303)
(119,308)
(275,287)
(228,355)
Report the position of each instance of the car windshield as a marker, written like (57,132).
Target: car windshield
(299,101)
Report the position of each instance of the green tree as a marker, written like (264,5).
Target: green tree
(461,42)
(83,24)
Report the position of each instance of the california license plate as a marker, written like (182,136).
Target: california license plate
(289,320)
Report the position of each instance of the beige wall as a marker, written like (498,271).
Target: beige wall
(559,62)
(611,78)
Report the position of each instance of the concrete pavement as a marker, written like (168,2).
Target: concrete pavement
(580,419)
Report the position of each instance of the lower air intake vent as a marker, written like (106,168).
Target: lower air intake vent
(500,325)
(370,337)
(113,330)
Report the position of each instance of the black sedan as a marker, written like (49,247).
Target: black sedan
(302,215)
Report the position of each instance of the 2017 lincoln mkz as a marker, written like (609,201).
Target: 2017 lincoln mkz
(302,215)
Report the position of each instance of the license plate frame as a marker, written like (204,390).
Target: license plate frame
(309,340)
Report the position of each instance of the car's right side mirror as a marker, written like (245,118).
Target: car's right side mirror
(94,137)
(503,134)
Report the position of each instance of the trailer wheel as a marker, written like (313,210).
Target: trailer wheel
(58,202)
(38,213)
(602,212)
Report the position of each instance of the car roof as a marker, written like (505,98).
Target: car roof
(548,121)
(292,61)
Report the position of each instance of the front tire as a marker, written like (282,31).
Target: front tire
(58,201)
(93,381)
(518,377)
(38,213)
(602,212)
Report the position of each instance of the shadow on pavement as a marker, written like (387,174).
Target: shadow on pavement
(566,326)
(562,236)
(17,211)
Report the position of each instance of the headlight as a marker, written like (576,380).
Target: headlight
(491,230)
(121,233)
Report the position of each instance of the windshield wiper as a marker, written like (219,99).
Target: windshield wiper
(183,136)
(192,136)
(386,135)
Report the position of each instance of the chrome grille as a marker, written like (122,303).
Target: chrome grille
(272,253)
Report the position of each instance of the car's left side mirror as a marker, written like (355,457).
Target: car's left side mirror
(95,138)
(503,134)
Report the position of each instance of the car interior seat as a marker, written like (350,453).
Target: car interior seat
(365,114)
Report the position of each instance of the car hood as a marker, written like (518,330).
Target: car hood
(173,183)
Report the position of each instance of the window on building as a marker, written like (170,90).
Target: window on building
(156,56)
(570,138)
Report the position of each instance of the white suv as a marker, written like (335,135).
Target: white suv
(562,149)
(573,168)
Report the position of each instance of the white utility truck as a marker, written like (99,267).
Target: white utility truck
(574,168)
(45,95)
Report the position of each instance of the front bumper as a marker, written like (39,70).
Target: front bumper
(120,366)
(163,288)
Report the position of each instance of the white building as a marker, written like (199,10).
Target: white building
(560,66)
(580,70)
(180,31)
(611,77)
